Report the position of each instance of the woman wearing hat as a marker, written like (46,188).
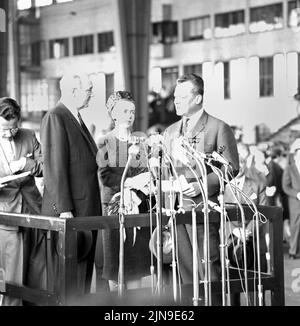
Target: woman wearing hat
(111,158)
(291,186)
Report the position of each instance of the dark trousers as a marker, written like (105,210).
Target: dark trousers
(185,254)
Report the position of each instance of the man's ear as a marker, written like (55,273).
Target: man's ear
(73,91)
(199,99)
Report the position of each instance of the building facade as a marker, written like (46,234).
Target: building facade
(246,50)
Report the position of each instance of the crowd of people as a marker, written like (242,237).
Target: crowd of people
(82,177)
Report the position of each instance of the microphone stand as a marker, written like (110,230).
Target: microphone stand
(223,242)
(206,249)
(173,227)
(150,216)
(172,222)
(244,238)
(260,289)
(121,283)
(159,226)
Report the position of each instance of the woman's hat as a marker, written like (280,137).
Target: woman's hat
(117,96)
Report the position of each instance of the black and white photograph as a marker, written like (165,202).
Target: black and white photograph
(150,155)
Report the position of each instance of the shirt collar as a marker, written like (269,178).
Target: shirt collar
(193,119)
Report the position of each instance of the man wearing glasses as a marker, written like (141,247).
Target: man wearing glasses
(20,152)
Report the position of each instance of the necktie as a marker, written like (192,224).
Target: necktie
(84,128)
(185,127)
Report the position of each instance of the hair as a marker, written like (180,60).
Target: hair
(196,80)
(70,81)
(9,109)
(115,97)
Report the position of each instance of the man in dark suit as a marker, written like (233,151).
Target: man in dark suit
(71,186)
(206,134)
(19,152)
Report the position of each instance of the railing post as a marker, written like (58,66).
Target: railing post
(276,239)
(68,272)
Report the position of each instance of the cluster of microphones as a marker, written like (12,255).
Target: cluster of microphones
(156,144)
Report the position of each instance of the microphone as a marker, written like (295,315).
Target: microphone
(154,165)
(155,140)
(133,150)
(134,140)
(185,143)
(214,206)
(219,158)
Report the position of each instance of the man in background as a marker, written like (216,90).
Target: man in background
(19,152)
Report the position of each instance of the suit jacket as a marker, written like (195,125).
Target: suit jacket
(70,169)
(207,136)
(291,186)
(111,158)
(23,189)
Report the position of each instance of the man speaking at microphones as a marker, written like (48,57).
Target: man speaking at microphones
(206,134)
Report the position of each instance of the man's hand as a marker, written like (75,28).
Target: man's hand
(66,215)
(17,165)
(270,191)
(238,232)
(192,189)
(2,185)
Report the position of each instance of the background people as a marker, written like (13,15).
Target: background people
(19,152)
(250,181)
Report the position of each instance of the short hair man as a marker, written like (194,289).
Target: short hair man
(71,186)
(19,152)
(206,134)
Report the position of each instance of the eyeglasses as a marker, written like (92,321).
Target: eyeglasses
(12,131)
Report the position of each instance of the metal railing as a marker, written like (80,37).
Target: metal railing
(67,239)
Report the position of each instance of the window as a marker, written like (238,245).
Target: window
(266,18)
(165,32)
(36,54)
(41,3)
(266,76)
(230,23)
(24,4)
(59,48)
(169,77)
(294,13)
(193,69)
(83,44)
(105,41)
(226,80)
(34,93)
(196,29)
